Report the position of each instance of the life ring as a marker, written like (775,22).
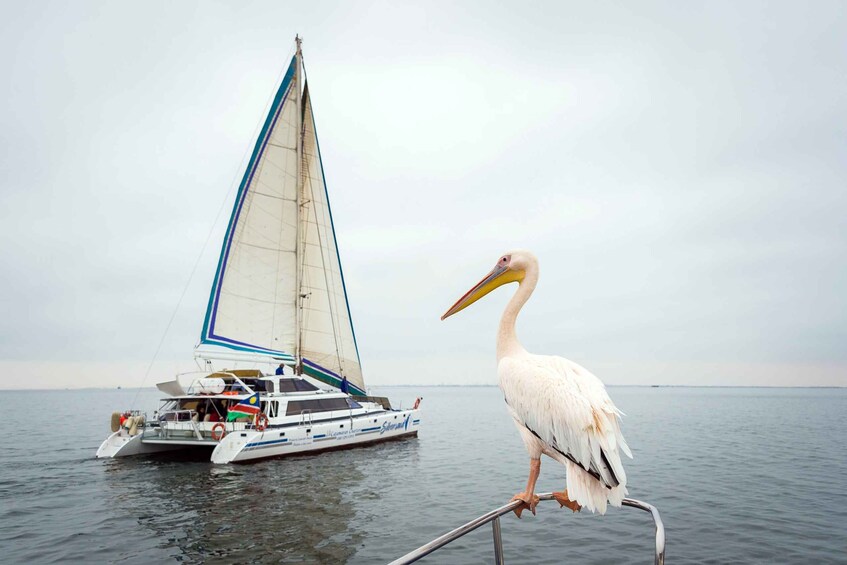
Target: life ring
(417,403)
(262,422)
(219,427)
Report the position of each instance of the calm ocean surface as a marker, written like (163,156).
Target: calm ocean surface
(739,475)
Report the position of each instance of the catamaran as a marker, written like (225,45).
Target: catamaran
(278,300)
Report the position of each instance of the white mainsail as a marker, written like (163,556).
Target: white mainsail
(279,289)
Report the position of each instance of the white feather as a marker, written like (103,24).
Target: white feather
(571,412)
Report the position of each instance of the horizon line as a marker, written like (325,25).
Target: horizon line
(458,386)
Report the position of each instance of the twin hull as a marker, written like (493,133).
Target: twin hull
(242,443)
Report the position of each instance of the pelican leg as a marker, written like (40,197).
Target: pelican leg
(563,500)
(528,497)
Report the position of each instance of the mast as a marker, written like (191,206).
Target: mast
(298,363)
(279,291)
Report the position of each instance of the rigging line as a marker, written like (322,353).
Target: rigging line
(358,361)
(303,232)
(323,239)
(300,260)
(211,231)
(332,297)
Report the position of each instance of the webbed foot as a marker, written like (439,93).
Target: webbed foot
(530,501)
(563,500)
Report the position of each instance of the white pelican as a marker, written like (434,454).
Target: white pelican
(560,409)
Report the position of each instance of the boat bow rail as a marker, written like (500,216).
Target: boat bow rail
(494,518)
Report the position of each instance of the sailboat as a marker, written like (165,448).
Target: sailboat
(278,300)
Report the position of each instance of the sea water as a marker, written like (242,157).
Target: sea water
(752,475)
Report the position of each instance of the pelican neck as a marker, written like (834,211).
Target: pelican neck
(507,338)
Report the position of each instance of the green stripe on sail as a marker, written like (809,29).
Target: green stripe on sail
(329,379)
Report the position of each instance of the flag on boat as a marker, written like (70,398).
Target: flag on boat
(247,407)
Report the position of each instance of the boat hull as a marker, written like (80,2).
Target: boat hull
(244,446)
(241,444)
(121,444)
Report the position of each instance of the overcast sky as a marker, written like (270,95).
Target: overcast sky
(679,169)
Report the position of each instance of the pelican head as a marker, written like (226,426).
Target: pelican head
(510,267)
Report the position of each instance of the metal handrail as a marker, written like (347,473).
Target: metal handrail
(494,518)
(303,414)
(197,432)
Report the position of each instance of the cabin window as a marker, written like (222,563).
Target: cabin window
(256,384)
(296,407)
(263,406)
(296,385)
(271,410)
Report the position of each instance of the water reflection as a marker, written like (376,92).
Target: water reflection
(297,509)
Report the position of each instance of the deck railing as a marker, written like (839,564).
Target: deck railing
(494,518)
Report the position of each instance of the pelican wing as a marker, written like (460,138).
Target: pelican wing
(569,410)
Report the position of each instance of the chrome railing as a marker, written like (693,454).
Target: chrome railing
(306,417)
(494,518)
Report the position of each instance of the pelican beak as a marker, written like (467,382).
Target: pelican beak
(498,276)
